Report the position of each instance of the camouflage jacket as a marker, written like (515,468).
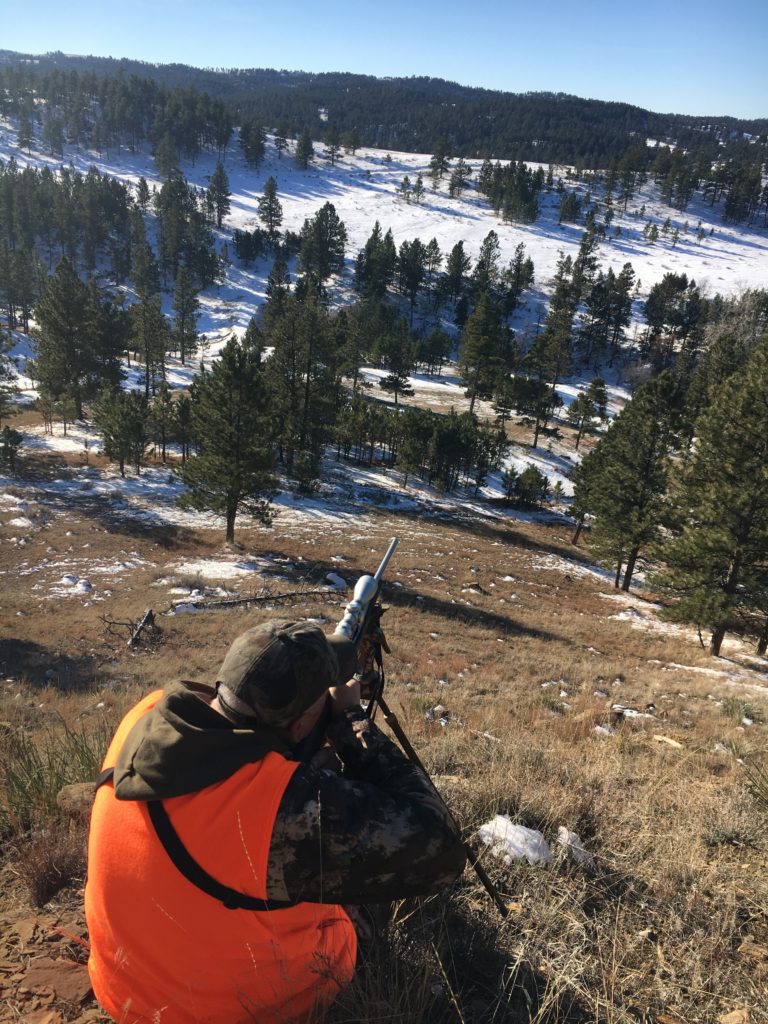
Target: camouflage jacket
(374,833)
(372,830)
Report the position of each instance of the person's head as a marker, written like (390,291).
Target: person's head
(278,674)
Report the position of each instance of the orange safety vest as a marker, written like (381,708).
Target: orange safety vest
(165,952)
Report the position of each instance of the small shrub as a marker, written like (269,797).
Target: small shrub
(52,860)
(190,580)
(756,770)
(736,708)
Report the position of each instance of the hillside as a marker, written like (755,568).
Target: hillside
(531,687)
(414,114)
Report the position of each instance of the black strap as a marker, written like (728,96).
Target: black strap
(105,776)
(194,873)
(188,866)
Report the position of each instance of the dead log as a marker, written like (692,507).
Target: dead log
(147,621)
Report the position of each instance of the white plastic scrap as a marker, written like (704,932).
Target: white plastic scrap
(604,730)
(574,846)
(438,714)
(514,842)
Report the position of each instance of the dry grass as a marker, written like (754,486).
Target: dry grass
(671,923)
(52,860)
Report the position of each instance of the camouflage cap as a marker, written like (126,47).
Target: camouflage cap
(277,670)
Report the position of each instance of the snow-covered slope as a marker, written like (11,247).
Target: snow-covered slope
(363,190)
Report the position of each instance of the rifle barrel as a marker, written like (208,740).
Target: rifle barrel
(385,560)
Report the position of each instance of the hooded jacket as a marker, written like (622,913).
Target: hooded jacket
(262,824)
(162,950)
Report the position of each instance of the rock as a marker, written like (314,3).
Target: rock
(76,800)
(740,1016)
(69,981)
(25,929)
(44,1017)
(669,742)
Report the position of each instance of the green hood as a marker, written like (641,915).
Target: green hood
(183,745)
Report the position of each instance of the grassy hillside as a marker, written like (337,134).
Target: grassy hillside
(513,663)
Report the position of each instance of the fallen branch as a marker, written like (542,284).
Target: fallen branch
(234,602)
(109,623)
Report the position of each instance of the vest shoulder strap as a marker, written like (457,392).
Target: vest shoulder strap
(188,866)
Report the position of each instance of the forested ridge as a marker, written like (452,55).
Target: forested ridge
(406,114)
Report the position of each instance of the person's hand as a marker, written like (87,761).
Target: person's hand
(343,697)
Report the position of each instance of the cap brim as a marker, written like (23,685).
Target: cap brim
(346,656)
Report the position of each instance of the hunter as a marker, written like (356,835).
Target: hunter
(225,865)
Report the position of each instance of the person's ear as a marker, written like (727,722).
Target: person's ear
(297,730)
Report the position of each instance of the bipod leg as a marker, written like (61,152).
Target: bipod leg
(392,721)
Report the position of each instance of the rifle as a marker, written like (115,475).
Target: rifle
(361,624)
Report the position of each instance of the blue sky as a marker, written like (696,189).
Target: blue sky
(666,55)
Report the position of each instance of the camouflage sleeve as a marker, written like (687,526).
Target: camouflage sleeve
(375,833)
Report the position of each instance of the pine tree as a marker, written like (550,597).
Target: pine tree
(66,363)
(253,143)
(460,178)
(333,143)
(161,416)
(280,140)
(352,141)
(142,194)
(302,378)
(483,350)
(145,273)
(375,264)
(52,134)
(231,424)
(8,388)
(586,407)
(485,276)
(10,442)
(411,268)
(516,278)
(304,150)
(277,291)
(270,209)
(150,337)
(717,564)
(166,156)
(219,193)
(434,349)
(440,162)
(253,340)
(456,270)
(186,307)
(627,495)
(397,354)
(25,136)
(403,190)
(531,487)
(323,238)
(122,418)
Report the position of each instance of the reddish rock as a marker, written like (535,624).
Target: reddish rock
(68,980)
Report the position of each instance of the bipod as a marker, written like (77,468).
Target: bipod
(394,724)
